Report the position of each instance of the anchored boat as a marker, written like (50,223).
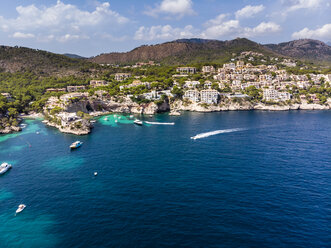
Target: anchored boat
(76,144)
(20,208)
(4,167)
(138,122)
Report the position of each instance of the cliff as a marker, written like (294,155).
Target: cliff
(179,105)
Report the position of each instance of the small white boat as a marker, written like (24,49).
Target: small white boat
(76,144)
(4,167)
(93,121)
(131,116)
(116,121)
(95,174)
(138,122)
(20,208)
(106,119)
(37,132)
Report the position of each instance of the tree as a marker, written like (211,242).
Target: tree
(177,92)
(12,112)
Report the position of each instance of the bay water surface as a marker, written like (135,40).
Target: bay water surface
(248,179)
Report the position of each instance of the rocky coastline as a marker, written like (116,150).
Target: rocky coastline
(66,119)
(179,105)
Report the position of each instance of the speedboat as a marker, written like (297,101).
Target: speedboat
(131,116)
(138,122)
(106,119)
(116,121)
(76,144)
(20,208)
(4,167)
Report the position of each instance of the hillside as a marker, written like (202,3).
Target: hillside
(187,51)
(303,49)
(21,59)
(184,51)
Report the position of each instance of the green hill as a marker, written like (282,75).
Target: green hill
(22,59)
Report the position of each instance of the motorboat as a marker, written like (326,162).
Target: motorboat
(131,116)
(76,144)
(4,167)
(138,122)
(20,208)
(116,121)
(95,174)
(106,119)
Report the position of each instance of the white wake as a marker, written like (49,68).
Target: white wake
(159,123)
(205,135)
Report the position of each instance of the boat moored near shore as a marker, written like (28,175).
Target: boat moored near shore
(138,122)
(4,167)
(76,144)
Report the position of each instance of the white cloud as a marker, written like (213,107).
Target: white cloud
(249,11)
(165,32)
(61,20)
(178,8)
(216,21)
(68,37)
(323,32)
(262,29)
(222,28)
(293,5)
(20,35)
(227,28)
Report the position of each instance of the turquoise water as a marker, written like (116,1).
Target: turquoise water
(252,179)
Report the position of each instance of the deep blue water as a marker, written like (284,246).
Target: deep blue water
(266,185)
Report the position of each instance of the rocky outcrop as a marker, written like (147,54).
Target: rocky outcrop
(179,105)
(83,130)
(116,105)
(11,129)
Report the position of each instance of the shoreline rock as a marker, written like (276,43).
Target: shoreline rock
(9,130)
(68,129)
(179,105)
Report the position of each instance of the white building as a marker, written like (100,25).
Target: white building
(191,84)
(208,69)
(209,96)
(75,88)
(275,95)
(229,66)
(192,95)
(208,84)
(186,70)
(122,76)
(98,83)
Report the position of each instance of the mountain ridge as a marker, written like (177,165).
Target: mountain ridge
(184,51)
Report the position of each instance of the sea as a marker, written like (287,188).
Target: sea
(226,179)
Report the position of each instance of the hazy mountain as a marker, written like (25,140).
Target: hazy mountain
(303,49)
(73,56)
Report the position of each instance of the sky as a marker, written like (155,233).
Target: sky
(92,27)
